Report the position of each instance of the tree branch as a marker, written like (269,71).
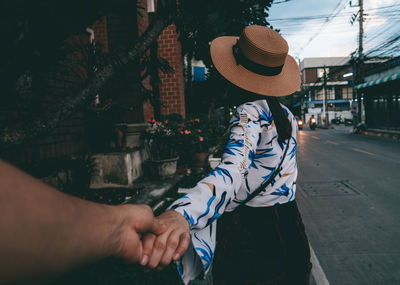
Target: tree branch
(24,133)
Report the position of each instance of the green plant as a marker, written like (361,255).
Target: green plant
(194,136)
(161,140)
(200,134)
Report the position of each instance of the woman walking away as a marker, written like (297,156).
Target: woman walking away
(261,237)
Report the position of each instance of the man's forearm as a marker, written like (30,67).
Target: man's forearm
(45,232)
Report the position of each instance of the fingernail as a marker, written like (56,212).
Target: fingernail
(176,257)
(144,260)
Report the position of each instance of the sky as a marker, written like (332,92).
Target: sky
(319,28)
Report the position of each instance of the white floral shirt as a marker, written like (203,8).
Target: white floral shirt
(250,158)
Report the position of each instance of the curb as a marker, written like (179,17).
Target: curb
(394,137)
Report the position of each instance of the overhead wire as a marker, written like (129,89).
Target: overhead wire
(383,40)
(385,47)
(378,16)
(335,12)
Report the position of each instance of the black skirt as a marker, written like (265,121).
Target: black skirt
(266,245)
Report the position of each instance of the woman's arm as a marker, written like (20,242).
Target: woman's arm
(44,232)
(207,201)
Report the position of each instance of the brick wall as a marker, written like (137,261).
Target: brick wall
(55,84)
(172,88)
(101,34)
(124,88)
(65,140)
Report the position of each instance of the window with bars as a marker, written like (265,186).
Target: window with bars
(347,93)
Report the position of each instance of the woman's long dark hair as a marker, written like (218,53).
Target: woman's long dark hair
(238,95)
(282,123)
(284,127)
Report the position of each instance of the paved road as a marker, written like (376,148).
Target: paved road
(349,196)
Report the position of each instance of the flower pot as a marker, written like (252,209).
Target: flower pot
(199,159)
(162,168)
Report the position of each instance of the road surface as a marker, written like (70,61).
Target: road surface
(349,196)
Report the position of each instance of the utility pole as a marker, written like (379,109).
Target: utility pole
(361,32)
(357,62)
(324,100)
(360,55)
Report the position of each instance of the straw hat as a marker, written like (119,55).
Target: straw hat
(257,61)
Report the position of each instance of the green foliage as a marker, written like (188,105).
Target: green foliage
(161,139)
(200,134)
(177,137)
(200,22)
(33,30)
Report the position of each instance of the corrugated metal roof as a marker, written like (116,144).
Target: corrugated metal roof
(378,81)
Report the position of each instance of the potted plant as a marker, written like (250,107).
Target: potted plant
(195,139)
(161,145)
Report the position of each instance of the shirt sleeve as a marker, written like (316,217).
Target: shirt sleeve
(202,205)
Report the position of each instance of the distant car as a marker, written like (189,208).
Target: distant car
(299,122)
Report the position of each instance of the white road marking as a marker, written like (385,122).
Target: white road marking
(331,142)
(317,271)
(363,151)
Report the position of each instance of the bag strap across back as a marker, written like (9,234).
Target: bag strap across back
(264,185)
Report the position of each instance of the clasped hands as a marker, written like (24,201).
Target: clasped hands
(155,245)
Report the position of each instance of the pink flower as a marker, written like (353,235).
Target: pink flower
(197,120)
(187,132)
(201,139)
(199,131)
(181,132)
(166,122)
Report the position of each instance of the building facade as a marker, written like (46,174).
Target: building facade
(327,80)
(380,95)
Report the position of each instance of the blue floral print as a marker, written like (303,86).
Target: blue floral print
(250,158)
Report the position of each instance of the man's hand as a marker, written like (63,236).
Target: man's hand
(135,220)
(44,232)
(159,251)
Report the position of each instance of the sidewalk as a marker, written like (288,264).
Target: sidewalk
(383,133)
(389,134)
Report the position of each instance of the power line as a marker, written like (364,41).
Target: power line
(386,45)
(333,15)
(327,16)
(281,1)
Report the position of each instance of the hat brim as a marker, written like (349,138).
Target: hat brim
(283,84)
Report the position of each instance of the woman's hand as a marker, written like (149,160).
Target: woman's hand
(159,251)
(133,221)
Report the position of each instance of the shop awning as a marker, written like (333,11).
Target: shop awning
(378,81)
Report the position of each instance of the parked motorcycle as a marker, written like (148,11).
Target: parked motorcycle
(348,122)
(313,123)
(359,128)
(337,120)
